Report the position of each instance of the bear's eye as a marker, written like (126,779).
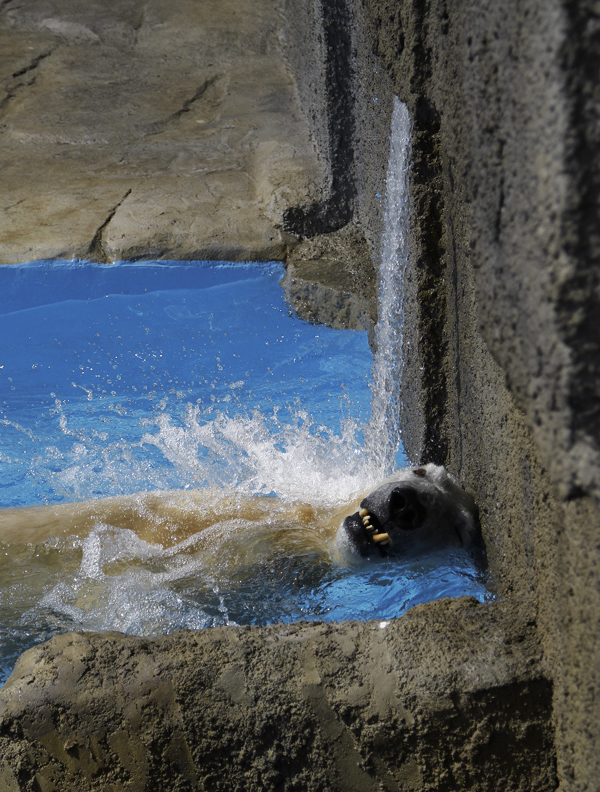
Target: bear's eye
(420,472)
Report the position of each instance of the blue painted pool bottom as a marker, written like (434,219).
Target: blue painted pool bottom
(129,377)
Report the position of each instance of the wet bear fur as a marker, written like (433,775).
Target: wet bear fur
(416,510)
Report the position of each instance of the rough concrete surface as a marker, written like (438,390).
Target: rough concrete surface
(502,347)
(500,381)
(358,706)
(332,280)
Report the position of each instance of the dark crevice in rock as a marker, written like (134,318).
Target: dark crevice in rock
(427,196)
(13,205)
(199,93)
(421,56)
(97,248)
(138,25)
(323,217)
(6,100)
(401,38)
(11,89)
(428,203)
(33,64)
(579,299)
(501,197)
(160,126)
(457,343)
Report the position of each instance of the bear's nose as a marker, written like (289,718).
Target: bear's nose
(406,510)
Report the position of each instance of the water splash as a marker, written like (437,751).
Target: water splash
(383,435)
(207,383)
(284,454)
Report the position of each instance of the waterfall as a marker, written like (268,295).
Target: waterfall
(383,435)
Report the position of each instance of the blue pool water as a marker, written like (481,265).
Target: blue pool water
(134,377)
(110,376)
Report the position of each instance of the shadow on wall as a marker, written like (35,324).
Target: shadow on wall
(336,133)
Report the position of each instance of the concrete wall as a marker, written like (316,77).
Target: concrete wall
(501,345)
(504,305)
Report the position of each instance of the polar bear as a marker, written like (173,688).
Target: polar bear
(416,510)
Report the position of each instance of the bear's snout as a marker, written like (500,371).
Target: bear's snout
(398,505)
(357,536)
(415,511)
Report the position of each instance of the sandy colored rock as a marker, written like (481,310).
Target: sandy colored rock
(149,130)
(359,706)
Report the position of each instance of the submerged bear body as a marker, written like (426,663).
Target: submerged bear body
(415,510)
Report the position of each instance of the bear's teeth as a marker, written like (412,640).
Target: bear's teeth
(382,537)
(363,513)
(366,520)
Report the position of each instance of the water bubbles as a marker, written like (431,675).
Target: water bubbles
(90,562)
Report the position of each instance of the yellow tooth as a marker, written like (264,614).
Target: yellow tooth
(366,520)
(383,538)
(363,513)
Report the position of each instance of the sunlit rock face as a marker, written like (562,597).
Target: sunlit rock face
(148,129)
(310,707)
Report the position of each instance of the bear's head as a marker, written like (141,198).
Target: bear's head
(416,510)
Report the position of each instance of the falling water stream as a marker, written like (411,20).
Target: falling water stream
(196,378)
(383,434)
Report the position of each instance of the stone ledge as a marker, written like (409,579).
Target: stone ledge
(331,280)
(451,696)
(145,130)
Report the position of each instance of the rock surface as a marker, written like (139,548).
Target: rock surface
(502,341)
(149,130)
(331,280)
(358,706)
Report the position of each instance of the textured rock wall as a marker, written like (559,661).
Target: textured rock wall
(149,130)
(357,707)
(504,290)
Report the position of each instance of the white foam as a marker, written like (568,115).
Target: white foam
(137,596)
(295,460)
